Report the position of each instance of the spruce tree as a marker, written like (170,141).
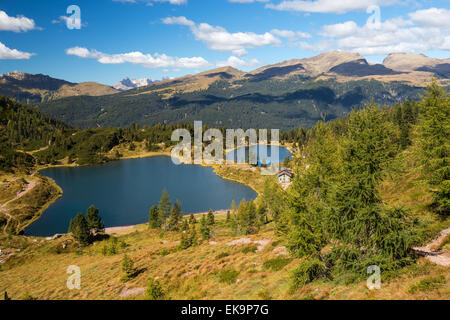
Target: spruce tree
(164,207)
(80,229)
(185,225)
(94,220)
(210,218)
(127,268)
(153,218)
(204,228)
(176,214)
(192,219)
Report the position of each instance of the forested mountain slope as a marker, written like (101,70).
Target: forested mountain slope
(284,95)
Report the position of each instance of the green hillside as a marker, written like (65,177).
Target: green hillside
(243,103)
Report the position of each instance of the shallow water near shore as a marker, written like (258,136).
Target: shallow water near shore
(125,190)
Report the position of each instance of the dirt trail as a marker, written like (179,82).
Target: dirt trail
(430,251)
(3,209)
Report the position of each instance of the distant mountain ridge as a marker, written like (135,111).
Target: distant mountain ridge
(128,84)
(36,88)
(283,95)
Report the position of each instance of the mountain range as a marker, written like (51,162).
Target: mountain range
(37,88)
(128,84)
(283,95)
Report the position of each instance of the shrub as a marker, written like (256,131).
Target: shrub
(154,290)
(222,255)
(28,296)
(249,249)
(264,295)
(428,284)
(110,248)
(128,269)
(228,276)
(276,264)
(308,271)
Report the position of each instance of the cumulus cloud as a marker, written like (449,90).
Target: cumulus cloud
(17,24)
(432,17)
(13,54)
(328,6)
(418,34)
(146,60)
(218,38)
(236,62)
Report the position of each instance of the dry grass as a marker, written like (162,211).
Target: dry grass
(39,269)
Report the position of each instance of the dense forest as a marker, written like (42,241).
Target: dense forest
(266,103)
(25,130)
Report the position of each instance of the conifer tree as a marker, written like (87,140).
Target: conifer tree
(204,228)
(192,219)
(210,218)
(127,268)
(176,214)
(367,230)
(153,218)
(94,220)
(80,229)
(185,225)
(164,207)
(435,144)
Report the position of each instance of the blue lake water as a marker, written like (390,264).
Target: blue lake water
(125,190)
(241,155)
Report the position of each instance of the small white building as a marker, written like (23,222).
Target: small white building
(285,177)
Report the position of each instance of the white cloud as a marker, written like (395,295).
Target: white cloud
(236,62)
(432,17)
(420,34)
(328,6)
(290,35)
(18,24)
(13,54)
(218,38)
(146,60)
(340,29)
(179,20)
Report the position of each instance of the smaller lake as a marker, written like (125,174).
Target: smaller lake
(241,155)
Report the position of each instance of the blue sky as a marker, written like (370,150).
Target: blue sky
(171,38)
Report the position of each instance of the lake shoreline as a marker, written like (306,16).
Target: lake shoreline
(131,228)
(136,156)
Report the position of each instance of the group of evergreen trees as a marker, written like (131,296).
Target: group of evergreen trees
(334,201)
(166,215)
(169,217)
(247,218)
(83,228)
